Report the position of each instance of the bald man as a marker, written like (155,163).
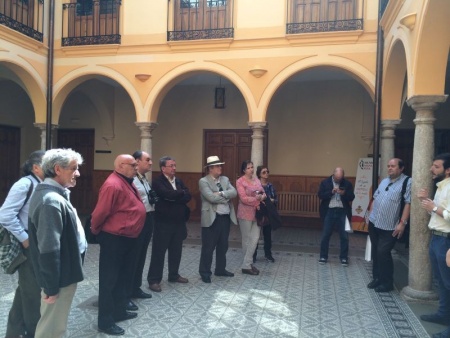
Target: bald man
(336,194)
(117,221)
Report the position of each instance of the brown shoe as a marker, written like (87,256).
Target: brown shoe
(155,287)
(255,269)
(179,279)
(249,272)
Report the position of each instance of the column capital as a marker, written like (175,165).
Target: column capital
(426,102)
(257,125)
(146,128)
(43,126)
(388,128)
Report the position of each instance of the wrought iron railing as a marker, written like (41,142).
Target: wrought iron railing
(94,22)
(24,16)
(201,19)
(324,16)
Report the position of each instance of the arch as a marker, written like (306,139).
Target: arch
(361,74)
(28,78)
(432,50)
(169,80)
(395,71)
(71,80)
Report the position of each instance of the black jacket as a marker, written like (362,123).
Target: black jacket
(325,194)
(171,206)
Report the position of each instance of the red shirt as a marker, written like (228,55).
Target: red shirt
(119,210)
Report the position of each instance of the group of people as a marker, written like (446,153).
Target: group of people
(388,217)
(130,211)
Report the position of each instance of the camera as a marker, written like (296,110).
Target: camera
(153,197)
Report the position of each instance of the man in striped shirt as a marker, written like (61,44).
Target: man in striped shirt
(387,223)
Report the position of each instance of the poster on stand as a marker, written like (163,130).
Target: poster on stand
(363,194)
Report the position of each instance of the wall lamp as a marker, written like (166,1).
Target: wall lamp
(142,77)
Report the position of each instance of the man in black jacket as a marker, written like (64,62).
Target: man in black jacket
(171,214)
(336,194)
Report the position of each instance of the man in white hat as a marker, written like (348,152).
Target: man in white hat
(217,214)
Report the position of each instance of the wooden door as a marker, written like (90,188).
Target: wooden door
(233,147)
(304,11)
(202,14)
(10,154)
(82,141)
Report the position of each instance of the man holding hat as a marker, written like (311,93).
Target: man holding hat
(217,214)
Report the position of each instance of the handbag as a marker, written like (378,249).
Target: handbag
(11,254)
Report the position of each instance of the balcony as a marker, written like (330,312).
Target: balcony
(313,16)
(91,22)
(24,16)
(201,19)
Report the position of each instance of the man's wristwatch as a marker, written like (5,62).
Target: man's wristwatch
(435,209)
(404,221)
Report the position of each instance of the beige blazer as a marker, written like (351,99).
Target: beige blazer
(211,200)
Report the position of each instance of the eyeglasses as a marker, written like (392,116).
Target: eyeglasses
(131,164)
(265,172)
(171,166)
(387,188)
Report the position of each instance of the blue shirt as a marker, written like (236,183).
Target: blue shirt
(13,213)
(385,213)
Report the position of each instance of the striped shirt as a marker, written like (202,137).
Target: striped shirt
(385,214)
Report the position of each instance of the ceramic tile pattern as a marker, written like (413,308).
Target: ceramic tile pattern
(293,297)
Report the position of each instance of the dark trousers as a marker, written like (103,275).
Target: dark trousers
(117,254)
(25,311)
(438,248)
(382,264)
(142,246)
(267,235)
(215,237)
(335,217)
(169,237)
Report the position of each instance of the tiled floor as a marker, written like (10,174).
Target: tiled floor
(293,297)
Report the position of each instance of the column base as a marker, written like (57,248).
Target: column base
(411,295)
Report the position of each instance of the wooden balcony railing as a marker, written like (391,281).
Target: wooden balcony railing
(24,16)
(324,16)
(94,22)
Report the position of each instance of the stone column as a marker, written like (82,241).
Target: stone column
(43,128)
(387,144)
(146,140)
(419,278)
(257,156)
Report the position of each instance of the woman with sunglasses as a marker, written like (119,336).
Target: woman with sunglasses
(263,174)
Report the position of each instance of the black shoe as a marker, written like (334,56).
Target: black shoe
(206,279)
(344,262)
(131,306)
(225,273)
(269,258)
(126,316)
(373,284)
(141,294)
(113,330)
(384,288)
(443,334)
(435,318)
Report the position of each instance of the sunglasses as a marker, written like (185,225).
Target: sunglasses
(387,188)
(265,172)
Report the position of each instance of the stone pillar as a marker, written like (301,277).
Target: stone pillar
(387,144)
(419,279)
(257,156)
(43,128)
(146,141)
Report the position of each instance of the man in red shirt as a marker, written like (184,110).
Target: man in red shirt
(117,221)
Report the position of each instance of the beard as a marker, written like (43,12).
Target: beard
(439,177)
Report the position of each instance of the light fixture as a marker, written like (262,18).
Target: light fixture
(257,71)
(142,77)
(409,21)
(219,96)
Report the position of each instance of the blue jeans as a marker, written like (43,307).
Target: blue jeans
(334,217)
(438,248)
